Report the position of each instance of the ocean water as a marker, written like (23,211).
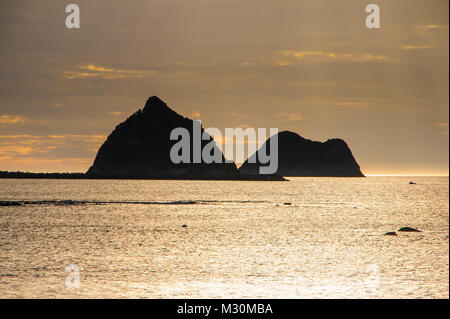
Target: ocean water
(241,241)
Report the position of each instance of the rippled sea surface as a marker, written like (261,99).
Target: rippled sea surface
(242,240)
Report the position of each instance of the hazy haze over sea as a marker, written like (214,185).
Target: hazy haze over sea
(241,240)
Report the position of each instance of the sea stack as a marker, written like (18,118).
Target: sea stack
(140,148)
(298,156)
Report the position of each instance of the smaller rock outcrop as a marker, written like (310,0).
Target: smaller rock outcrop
(391,233)
(298,156)
(409,229)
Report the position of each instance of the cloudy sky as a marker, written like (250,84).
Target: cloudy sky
(307,66)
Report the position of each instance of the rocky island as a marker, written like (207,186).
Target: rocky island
(298,156)
(140,148)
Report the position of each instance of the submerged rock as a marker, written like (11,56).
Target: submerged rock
(302,157)
(409,229)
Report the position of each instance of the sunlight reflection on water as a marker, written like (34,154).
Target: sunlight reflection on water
(240,240)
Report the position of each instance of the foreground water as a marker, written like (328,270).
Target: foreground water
(242,240)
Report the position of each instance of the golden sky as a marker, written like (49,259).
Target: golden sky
(307,66)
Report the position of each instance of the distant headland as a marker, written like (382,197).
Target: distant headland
(139,148)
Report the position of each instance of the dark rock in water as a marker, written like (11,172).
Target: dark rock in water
(10,203)
(140,148)
(391,233)
(302,157)
(409,229)
(66,202)
(412,183)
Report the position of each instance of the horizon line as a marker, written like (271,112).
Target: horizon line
(367,175)
(411,175)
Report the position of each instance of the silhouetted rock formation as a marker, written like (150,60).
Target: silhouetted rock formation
(391,233)
(3,203)
(298,156)
(409,229)
(6,174)
(140,148)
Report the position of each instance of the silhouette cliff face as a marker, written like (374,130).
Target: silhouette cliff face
(298,156)
(140,148)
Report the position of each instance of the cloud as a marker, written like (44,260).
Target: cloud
(444,126)
(12,145)
(415,47)
(116,113)
(11,119)
(290,117)
(36,164)
(91,71)
(282,63)
(354,103)
(305,54)
(321,56)
(11,150)
(428,28)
